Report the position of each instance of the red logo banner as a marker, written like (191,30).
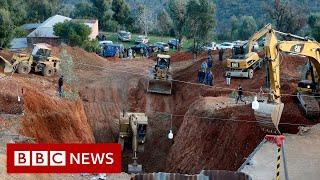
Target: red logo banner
(63,158)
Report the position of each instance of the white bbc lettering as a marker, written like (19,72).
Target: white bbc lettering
(109,157)
(85,158)
(39,158)
(22,158)
(73,158)
(57,158)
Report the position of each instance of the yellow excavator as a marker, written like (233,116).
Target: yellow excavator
(133,129)
(269,112)
(160,80)
(244,60)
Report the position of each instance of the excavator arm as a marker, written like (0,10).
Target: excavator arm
(269,113)
(256,36)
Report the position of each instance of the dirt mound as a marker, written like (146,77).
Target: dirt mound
(214,143)
(62,121)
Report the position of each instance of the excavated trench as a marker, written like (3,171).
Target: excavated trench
(199,143)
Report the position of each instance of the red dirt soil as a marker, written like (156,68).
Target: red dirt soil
(108,87)
(62,121)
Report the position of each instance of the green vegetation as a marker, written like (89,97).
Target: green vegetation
(199,22)
(314,23)
(72,33)
(6,28)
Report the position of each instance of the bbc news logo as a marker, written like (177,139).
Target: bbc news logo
(63,158)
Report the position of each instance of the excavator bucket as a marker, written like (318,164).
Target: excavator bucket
(160,86)
(8,68)
(268,116)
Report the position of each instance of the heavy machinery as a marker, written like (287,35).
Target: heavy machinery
(269,112)
(244,60)
(160,78)
(40,60)
(133,129)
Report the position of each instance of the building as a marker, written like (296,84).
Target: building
(18,44)
(30,27)
(93,24)
(45,34)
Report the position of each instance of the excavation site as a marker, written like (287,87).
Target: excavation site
(210,130)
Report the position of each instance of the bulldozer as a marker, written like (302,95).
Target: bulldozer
(269,112)
(133,129)
(160,80)
(40,60)
(244,60)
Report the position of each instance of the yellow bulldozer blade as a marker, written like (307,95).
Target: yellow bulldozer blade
(159,86)
(8,68)
(268,116)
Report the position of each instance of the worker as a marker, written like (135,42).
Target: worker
(201,76)
(221,51)
(146,52)
(209,53)
(209,78)
(204,66)
(240,94)
(228,78)
(117,54)
(210,62)
(141,52)
(60,84)
(130,53)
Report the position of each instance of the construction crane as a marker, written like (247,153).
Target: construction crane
(133,129)
(40,60)
(244,60)
(160,77)
(269,112)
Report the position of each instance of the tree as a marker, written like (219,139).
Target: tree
(144,18)
(288,17)
(83,10)
(234,27)
(39,11)
(6,28)
(247,27)
(164,23)
(314,23)
(73,33)
(177,11)
(121,12)
(200,21)
(102,11)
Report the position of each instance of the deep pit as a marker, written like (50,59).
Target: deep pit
(108,87)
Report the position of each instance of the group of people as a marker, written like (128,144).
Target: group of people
(205,75)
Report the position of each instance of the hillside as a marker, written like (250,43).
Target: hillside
(227,8)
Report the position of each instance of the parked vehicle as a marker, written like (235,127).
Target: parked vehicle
(173,43)
(225,45)
(142,39)
(210,46)
(137,48)
(163,47)
(102,43)
(124,36)
(113,50)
